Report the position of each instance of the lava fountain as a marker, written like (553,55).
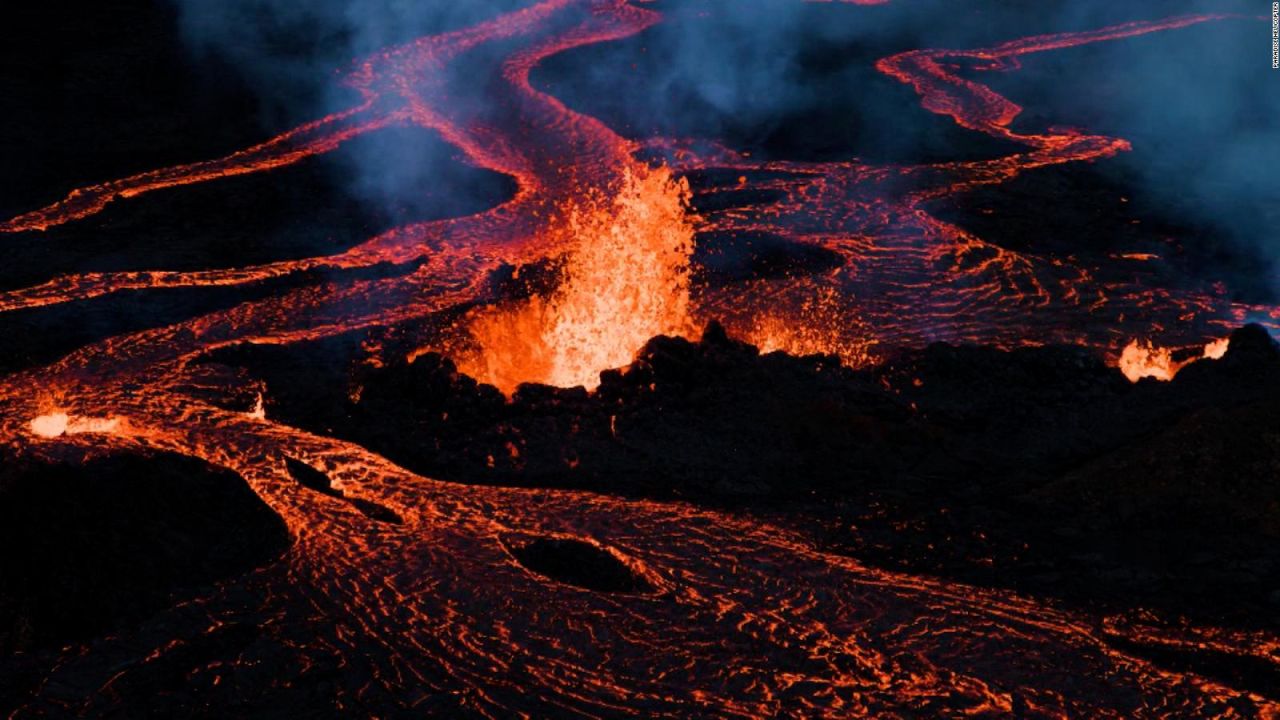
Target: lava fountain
(1141,359)
(409,580)
(624,279)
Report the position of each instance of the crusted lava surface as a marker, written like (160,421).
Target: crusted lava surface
(1042,469)
(101,544)
(235,482)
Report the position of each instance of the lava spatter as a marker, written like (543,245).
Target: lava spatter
(625,279)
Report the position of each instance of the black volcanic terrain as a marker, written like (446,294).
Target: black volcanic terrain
(1042,469)
(101,544)
(270,490)
(1039,469)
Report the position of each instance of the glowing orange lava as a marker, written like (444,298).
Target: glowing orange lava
(754,621)
(1141,359)
(55,424)
(625,280)
(50,425)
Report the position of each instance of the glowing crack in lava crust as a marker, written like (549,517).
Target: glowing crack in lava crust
(740,618)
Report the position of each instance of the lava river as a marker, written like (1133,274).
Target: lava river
(741,618)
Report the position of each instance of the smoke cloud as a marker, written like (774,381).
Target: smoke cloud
(294,55)
(795,79)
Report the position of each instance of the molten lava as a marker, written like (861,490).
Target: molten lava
(50,425)
(1141,359)
(55,424)
(625,280)
(753,621)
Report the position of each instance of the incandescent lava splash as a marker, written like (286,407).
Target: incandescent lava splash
(1141,359)
(624,279)
(437,595)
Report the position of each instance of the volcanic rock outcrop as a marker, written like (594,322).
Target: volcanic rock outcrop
(1038,468)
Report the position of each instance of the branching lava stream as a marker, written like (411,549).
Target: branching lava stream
(742,618)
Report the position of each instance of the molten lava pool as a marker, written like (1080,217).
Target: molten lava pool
(406,595)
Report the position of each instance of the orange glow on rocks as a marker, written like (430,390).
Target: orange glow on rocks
(626,279)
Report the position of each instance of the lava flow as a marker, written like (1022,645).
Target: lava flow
(735,616)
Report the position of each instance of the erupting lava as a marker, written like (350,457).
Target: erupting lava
(748,620)
(1142,359)
(625,280)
